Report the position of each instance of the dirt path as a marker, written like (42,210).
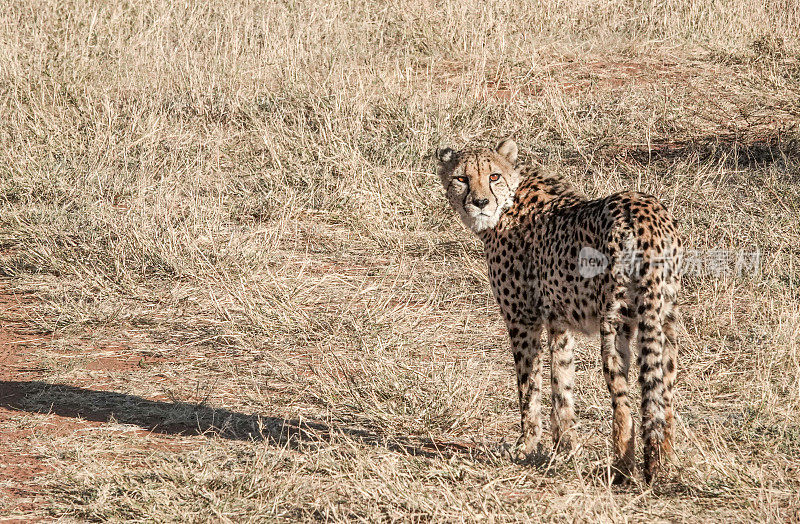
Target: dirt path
(25,426)
(20,467)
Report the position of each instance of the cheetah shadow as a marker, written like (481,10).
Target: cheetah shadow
(191,419)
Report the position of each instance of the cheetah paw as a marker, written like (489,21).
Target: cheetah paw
(522,451)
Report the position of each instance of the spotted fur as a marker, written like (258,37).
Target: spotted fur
(538,235)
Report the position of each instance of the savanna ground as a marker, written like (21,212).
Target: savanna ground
(232,289)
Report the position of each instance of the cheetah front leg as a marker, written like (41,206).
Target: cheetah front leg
(562,381)
(526,342)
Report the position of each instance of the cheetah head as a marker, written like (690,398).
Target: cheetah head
(480,183)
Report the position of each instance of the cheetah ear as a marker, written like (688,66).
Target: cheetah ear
(508,149)
(445,155)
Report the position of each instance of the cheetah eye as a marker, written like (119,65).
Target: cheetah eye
(462,179)
(494,177)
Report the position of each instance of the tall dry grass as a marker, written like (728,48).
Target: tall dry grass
(245,191)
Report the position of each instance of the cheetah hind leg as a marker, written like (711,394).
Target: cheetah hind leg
(615,353)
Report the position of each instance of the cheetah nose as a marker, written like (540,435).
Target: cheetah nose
(480,202)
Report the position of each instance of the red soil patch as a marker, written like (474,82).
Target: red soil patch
(600,74)
(21,468)
(118,363)
(597,75)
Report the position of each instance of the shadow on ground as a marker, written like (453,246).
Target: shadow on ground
(736,150)
(183,418)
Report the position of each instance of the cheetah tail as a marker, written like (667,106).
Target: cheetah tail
(650,302)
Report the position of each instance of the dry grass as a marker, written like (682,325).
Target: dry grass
(236,199)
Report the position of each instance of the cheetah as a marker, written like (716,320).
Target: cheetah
(560,264)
